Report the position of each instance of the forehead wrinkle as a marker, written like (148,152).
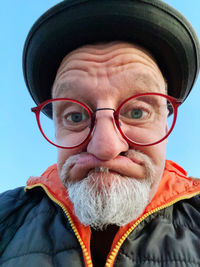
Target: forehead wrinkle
(123,66)
(107,58)
(88,60)
(111,65)
(110,49)
(105,52)
(84,91)
(77,65)
(139,80)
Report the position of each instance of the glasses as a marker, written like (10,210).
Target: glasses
(140,119)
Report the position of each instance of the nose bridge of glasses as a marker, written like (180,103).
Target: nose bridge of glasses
(111,117)
(104,115)
(99,109)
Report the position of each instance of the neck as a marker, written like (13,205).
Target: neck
(101,242)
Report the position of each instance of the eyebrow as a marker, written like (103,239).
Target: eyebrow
(59,89)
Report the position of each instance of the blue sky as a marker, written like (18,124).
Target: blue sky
(24,152)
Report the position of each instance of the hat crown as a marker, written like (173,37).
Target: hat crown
(150,23)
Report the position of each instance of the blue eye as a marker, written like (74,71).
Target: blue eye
(137,113)
(76,117)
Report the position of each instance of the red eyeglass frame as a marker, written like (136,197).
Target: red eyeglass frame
(175,103)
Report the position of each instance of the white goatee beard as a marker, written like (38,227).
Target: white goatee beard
(99,204)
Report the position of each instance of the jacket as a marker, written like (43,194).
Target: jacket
(38,227)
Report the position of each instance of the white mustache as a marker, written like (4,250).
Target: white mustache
(131,153)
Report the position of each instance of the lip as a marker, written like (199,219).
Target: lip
(122,165)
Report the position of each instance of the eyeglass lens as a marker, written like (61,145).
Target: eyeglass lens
(142,120)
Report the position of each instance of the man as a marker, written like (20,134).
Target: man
(108,77)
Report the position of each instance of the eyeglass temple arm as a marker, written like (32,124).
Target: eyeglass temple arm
(34,109)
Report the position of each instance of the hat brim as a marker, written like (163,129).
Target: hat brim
(152,24)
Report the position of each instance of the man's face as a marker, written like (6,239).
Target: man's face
(102,76)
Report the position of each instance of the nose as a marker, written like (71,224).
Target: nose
(106,142)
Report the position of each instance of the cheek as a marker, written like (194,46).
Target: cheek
(157,154)
(63,155)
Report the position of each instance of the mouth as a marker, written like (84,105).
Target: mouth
(84,164)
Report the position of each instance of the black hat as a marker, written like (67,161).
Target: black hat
(150,23)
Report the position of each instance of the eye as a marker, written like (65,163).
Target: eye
(75,117)
(137,113)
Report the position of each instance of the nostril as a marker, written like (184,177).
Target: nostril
(122,154)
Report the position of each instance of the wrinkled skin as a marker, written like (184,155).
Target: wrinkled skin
(104,75)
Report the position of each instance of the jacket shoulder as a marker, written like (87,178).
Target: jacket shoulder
(11,200)
(34,229)
(187,212)
(14,207)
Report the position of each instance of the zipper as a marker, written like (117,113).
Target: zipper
(86,256)
(112,255)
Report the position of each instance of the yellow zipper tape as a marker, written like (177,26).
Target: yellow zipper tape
(84,249)
(113,254)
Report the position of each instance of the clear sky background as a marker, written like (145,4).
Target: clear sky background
(23,150)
